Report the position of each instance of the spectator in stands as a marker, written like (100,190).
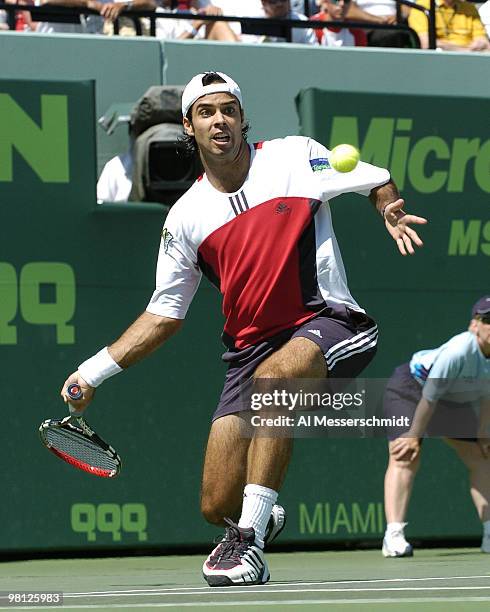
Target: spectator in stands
(110,11)
(198,28)
(230,8)
(382,12)
(115,181)
(3,21)
(23,21)
(336,10)
(280,9)
(458,26)
(176,28)
(484,11)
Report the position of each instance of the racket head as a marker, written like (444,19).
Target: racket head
(72,440)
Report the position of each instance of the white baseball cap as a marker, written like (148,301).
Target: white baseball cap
(195,90)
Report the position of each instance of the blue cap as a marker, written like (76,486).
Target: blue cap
(482,306)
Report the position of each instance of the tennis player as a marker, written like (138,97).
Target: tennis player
(442,391)
(258,225)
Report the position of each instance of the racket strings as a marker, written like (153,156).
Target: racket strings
(80,448)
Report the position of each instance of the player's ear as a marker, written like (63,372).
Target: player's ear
(188,128)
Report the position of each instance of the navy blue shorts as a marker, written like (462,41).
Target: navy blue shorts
(346,337)
(450,419)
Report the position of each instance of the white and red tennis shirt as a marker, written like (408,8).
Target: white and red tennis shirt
(269,248)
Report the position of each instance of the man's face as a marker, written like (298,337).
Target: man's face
(216,125)
(336,9)
(480,326)
(276,8)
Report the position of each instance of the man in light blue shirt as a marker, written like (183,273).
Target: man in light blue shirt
(445,392)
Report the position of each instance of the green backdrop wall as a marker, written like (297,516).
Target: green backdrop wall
(123,69)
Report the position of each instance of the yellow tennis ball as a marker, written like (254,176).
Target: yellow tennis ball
(344,158)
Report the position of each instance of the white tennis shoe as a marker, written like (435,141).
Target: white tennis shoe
(236,560)
(276,524)
(395,544)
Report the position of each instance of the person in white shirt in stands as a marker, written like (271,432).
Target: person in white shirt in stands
(484,11)
(231,8)
(280,9)
(115,181)
(381,11)
(183,29)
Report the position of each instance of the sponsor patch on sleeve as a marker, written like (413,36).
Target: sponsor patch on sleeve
(319,164)
(167,239)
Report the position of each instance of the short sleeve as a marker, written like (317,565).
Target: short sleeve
(362,180)
(178,275)
(443,374)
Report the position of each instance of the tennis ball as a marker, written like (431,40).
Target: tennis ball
(344,158)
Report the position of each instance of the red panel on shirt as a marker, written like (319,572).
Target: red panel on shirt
(256,259)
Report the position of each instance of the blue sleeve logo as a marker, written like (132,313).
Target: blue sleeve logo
(319,164)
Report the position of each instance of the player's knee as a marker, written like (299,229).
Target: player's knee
(405,464)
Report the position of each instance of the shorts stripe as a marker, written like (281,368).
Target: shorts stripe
(365,348)
(362,341)
(352,346)
(339,345)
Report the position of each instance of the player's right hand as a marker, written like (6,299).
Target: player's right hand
(398,223)
(405,449)
(87,390)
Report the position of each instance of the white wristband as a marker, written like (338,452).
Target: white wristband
(98,368)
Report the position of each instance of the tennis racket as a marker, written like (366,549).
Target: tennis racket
(74,441)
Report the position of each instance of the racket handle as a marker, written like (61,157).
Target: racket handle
(74,392)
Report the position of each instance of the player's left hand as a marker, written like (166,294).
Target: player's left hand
(397,223)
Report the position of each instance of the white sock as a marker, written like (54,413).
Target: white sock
(486,527)
(256,510)
(391,527)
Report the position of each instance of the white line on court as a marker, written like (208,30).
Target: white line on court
(287,602)
(199,590)
(237,591)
